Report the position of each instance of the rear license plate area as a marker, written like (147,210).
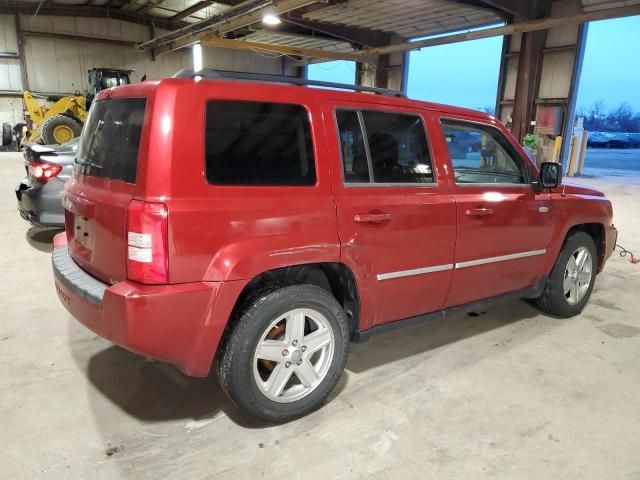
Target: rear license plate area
(83,231)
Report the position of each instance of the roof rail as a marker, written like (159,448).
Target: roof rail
(263,77)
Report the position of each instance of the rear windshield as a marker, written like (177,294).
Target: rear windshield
(258,143)
(111,139)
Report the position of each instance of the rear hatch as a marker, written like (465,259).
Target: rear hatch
(98,195)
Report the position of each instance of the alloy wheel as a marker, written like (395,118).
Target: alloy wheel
(293,355)
(577,275)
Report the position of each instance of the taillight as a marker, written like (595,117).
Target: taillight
(147,252)
(44,171)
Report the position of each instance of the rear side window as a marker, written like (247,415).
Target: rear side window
(110,140)
(256,143)
(383,148)
(354,154)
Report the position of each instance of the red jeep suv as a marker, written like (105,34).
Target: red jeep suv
(258,227)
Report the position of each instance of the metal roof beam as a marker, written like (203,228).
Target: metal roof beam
(518,9)
(87,11)
(521,27)
(221,24)
(196,7)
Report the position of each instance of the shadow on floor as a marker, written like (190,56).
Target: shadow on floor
(152,391)
(41,238)
(406,342)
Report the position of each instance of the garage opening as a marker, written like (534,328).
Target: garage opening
(462,74)
(608,105)
(339,71)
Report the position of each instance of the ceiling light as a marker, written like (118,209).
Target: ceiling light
(271,20)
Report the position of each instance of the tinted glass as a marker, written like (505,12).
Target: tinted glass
(482,154)
(110,140)
(398,148)
(354,156)
(252,143)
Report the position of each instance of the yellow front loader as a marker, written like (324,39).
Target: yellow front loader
(58,123)
(63,120)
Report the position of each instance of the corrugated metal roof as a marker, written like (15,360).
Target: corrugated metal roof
(301,41)
(591,5)
(169,8)
(407,18)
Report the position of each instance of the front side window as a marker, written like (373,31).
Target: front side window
(481,154)
(396,149)
(256,143)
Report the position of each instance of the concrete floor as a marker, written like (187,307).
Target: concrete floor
(506,394)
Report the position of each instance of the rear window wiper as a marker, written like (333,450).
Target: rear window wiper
(88,163)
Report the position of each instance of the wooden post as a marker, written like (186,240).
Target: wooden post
(583,149)
(572,158)
(557,144)
(527,82)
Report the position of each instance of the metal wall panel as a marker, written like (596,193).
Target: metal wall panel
(241,61)
(11,110)
(59,65)
(8,39)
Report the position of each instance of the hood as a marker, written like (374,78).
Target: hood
(569,188)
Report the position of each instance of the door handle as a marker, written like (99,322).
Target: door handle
(372,217)
(479,212)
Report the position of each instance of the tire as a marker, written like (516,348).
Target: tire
(60,129)
(555,300)
(7,135)
(248,378)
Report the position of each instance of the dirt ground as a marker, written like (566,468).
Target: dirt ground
(507,394)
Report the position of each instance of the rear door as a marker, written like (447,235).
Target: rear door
(504,227)
(103,185)
(396,218)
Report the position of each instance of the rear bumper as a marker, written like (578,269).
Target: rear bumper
(180,324)
(41,204)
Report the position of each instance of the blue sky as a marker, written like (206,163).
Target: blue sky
(466,74)
(338,72)
(463,74)
(611,67)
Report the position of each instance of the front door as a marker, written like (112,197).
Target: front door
(504,227)
(396,217)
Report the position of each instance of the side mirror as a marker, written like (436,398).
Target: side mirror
(550,175)
(7,135)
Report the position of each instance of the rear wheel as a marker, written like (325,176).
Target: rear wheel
(572,278)
(60,129)
(286,352)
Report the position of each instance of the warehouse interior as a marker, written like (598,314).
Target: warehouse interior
(502,393)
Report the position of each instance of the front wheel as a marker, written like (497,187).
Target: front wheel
(60,129)
(286,352)
(572,278)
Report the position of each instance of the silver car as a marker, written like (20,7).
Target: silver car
(40,192)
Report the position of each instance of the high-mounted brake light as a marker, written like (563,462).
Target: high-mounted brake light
(147,252)
(44,171)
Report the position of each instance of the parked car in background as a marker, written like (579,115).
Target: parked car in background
(618,140)
(257,228)
(39,194)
